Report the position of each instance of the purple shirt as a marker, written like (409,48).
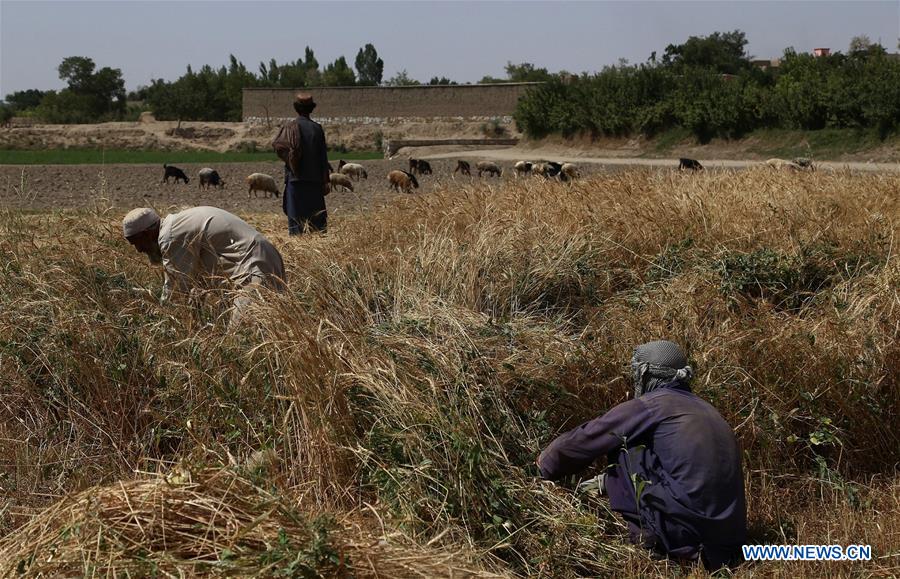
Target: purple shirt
(680,447)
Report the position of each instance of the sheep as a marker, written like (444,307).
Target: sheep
(779,164)
(413,165)
(175,172)
(340,180)
(804,162)
(569,171)
(210,177)
(354,170)
(522,168)
(463,168)
(546,169)
(402,181)
(261,182)
(488,167)
(689,164)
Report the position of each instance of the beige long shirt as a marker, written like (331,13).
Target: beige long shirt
(203,244)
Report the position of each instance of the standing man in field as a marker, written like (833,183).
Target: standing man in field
(301,145)
(674,467)
(201,245)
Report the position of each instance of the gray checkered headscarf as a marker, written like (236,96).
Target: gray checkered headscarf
(656,363)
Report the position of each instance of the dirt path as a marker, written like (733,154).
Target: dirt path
(519,154)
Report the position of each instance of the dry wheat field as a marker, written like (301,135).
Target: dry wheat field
(382,417)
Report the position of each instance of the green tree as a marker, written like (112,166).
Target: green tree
(95,95)
(138,94)
(526,72)
(860,43)
(369,67)
(300,73)
(549,108)
(107,92)
(311,66)
(338,73)
(523,72)
(442,80)
(188,98)
(402,78)
(722,52)
(77,71)
(801,90)
(6,113)
(232,83)
(879,90)
(65,107)
(89,97)
(22,100)
(707,86)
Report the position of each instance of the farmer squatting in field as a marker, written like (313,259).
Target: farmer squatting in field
(674,469)
(198,244)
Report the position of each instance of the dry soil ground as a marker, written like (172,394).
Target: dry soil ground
(125,186)
(39,187)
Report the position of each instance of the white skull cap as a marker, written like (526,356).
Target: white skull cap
(139,220)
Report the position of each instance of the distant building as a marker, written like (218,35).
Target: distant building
(821,52)
(767,63)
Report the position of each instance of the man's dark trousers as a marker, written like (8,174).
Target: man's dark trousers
(304,205)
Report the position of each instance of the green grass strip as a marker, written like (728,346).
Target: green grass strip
(124,157)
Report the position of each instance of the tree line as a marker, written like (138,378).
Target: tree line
(207,94)
(710,87)
(706,85)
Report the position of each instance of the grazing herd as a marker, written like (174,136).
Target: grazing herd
(406,181)
(794,165)
(346,174)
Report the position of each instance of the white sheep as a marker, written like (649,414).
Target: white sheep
(354,170)
(340,180)
(261,182)
(780,164)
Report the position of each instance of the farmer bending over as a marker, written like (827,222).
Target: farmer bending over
(197,245)
(674,466)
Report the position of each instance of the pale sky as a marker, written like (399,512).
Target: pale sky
(461,40)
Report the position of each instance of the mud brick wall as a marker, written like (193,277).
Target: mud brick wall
(379,103)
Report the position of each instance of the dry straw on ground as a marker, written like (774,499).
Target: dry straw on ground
(425,353)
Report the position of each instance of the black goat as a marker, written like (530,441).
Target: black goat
(690,164)
(463,168)
(174,172)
